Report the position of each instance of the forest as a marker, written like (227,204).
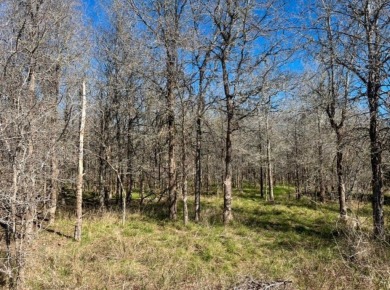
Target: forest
(194,144)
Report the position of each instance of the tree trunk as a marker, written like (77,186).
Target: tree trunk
(269,163)
(184,180)
(119,189)
(198,167)
(297,177)
(55,172)
(142,189)
(124,205)
(261,163)
(79,193)
(341,186)
(266,184)
(376,162)
(172,192)
(171,63)
(227,208)
(102,171)
(207,172)
(320,160)
(130,161)
(261,182)
(185,194)
(53,188)
(102,163)
(340,178)
(15,188)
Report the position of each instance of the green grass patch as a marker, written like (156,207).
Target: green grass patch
(288,240)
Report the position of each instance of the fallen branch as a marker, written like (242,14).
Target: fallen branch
(251,284)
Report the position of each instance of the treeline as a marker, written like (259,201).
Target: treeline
(187,98)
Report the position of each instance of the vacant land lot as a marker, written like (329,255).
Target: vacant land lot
(290,240)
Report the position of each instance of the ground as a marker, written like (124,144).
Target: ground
(289,240)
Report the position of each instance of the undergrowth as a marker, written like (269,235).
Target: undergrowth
(288,240)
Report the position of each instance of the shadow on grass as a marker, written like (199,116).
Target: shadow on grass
(247,209)
(329,206)
(59,233)
(282,220)
(280,193)
(153,210)
(289,225)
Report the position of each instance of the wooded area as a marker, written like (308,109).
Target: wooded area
(157,105)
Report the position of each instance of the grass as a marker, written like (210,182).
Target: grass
(289,240)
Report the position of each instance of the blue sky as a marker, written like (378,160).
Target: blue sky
(91,8)
(95,13)
(89,3)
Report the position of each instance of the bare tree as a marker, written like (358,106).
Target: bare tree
(240,25)
(120,105)
(163,19)
(79,194)
(362,36)
(201,59)
(269,158)
(38,47)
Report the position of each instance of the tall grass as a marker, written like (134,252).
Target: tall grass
(288,240)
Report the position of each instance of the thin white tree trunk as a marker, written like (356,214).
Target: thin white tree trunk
(269,162)
(79,194)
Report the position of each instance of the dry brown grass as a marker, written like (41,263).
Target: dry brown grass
(286,241)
